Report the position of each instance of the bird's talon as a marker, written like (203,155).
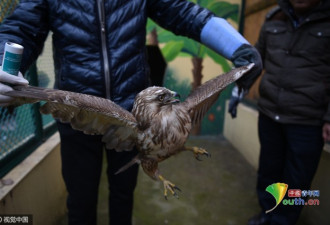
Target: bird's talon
(175,187)
(168,186)
(200,151)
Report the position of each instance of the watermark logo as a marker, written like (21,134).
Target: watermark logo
(295,196)
(16,219)
(278,191)
(298,197)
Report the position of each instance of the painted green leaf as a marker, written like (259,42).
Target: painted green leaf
(151,25)
(172,49)
(166,36)
(224,9)
(203,3)
(191,47)
(201,51)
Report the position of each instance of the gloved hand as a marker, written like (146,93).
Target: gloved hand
(245,55)
(221,37)
(236,97)
(5,79)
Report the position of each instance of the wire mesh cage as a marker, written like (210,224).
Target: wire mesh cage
(6,7)
(22,128)
(20,125)
(16,128)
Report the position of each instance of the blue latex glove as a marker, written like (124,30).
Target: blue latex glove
(221,37)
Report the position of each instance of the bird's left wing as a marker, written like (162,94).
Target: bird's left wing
(87,113)
(204,96)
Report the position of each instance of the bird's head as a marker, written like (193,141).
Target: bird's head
(157,96)
(151,100)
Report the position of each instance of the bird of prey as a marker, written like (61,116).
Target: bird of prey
(158,125)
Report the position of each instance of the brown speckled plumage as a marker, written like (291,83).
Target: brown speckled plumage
(158,126)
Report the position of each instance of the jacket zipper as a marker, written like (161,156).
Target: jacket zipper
(106,67)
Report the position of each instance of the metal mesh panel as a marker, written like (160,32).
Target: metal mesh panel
(16,128)
(6,7)
(23,128)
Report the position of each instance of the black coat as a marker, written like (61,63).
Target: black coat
(99,46)
(296,85)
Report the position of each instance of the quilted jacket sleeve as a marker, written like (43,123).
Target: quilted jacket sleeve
(179,16)
(28,26)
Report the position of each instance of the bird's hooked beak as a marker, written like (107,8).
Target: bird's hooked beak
(173,98)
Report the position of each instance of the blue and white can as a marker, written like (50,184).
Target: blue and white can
(12,57)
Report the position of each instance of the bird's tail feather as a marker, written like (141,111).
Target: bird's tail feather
(136,159)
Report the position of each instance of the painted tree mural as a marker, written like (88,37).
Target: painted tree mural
(174,46)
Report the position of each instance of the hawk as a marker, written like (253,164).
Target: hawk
(158,125)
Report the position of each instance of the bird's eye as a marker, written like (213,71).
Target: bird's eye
(161,97)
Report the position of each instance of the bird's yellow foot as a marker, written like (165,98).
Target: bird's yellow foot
(169,186)
(198,152)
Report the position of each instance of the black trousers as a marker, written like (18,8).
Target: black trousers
(289,154)
(81,168)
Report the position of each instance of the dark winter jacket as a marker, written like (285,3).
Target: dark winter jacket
(296,55)
(99,46)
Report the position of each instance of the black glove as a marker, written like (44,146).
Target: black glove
(245,55)
(236,97)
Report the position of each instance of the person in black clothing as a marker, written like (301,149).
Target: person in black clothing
(294,109)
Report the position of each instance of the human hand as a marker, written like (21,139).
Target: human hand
(221,37)
(245,55)
(11,80)
(326,132)
(236,97)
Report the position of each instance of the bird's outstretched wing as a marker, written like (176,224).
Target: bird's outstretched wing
(203,97)
(90,114)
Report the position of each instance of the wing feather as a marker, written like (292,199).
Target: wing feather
(204,96)
(87,113)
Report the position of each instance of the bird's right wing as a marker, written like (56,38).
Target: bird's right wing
(87,113)
(204,96)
